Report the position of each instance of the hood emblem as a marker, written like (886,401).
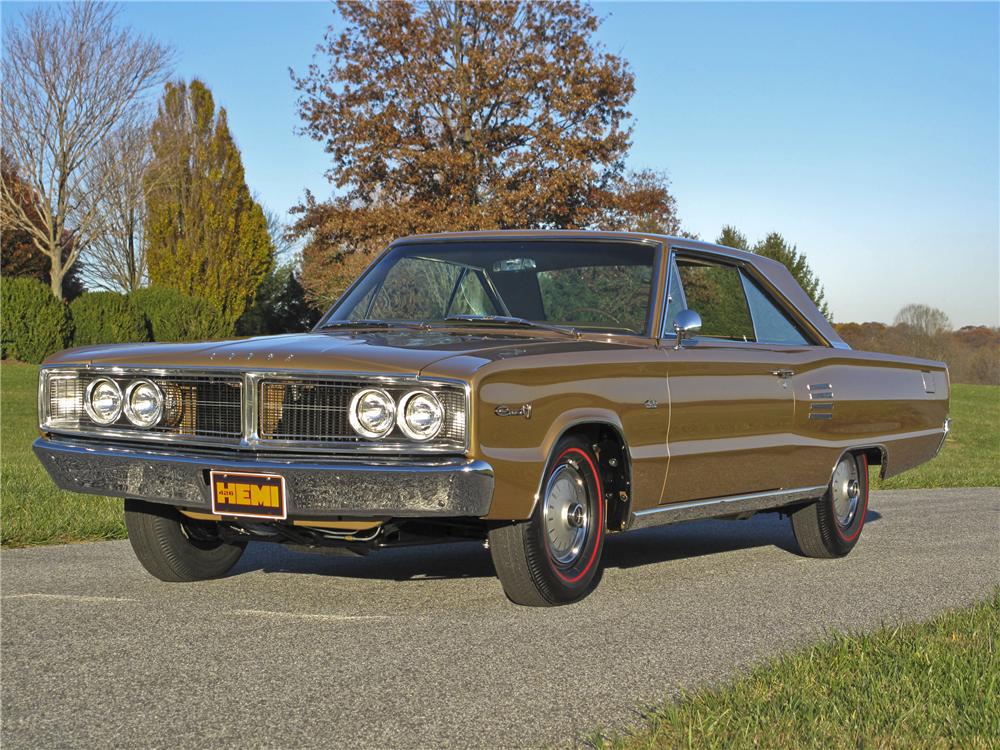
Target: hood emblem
(524,410)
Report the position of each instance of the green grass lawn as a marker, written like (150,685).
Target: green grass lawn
(33,511)
(971,455)
(932,685)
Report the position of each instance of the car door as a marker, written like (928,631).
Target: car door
(731,407)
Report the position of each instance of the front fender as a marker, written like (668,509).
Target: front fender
(518,471)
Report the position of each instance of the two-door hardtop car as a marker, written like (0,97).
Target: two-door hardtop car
(534,390)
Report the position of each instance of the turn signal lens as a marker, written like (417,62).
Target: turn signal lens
(103,401)
(372,413)
(421,415)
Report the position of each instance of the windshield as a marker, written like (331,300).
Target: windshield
(586,285)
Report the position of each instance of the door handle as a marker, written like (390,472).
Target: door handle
(783,374)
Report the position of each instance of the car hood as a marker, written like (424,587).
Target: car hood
(395,351)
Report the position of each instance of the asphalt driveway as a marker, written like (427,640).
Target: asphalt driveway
(418,647)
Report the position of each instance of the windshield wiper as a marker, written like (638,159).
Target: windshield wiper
(511,320)
(370,323)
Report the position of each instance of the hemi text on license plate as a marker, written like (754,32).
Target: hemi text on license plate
(250,495)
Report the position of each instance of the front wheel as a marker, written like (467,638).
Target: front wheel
(173,548)
(831,526)
(554,557)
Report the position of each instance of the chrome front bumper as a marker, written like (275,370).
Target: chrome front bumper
(316,487)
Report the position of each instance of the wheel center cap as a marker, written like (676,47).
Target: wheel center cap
(853,488)
(575,515)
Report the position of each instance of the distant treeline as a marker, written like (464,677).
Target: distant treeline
(972,353)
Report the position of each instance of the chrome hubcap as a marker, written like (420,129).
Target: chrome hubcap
(846,490)
(567,521)
(575,515)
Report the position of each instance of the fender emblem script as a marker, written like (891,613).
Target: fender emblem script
(505,411)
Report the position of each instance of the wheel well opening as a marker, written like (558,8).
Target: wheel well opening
(875,456)
(615,468)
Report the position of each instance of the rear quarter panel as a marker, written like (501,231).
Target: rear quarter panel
(896,404)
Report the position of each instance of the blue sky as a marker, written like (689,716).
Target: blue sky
(867,134)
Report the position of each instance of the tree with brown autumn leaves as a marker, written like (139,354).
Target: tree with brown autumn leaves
(465,115)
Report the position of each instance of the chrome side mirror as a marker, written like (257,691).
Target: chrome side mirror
(686,323)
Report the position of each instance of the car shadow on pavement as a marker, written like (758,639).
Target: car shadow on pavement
(707,537)
(472,560)
(433,561)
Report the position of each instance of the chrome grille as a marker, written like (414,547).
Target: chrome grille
(317,411)
(65,401)
(207,406)
(199,406)
(291,411)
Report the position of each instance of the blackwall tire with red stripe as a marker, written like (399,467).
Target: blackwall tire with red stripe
(831,527)
(555,557)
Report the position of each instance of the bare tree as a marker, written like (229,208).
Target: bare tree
(923,319)
(279,231)
(115,258)
(71,77)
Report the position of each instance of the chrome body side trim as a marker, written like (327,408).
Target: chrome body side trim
(317,488)
(722,506)
(945,429)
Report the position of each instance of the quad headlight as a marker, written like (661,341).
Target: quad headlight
(372,413)
(421,415)
(103,401)
(143,403)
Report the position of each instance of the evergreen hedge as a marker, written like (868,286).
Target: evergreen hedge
(107,318)
(33,323)
(174,316)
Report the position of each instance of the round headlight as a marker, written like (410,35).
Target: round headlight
(372,413)
(143,403)
(103,401)
(420,415)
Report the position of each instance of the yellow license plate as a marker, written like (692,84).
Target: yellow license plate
(248,495)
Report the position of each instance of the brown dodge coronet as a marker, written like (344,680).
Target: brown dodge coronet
(536,390)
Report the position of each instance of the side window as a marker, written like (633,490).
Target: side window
(715,292)
(675,300)
(471,297)
(773,326)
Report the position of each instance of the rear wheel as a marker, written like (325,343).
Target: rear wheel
(554,557)
(173,548)
(831,526)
